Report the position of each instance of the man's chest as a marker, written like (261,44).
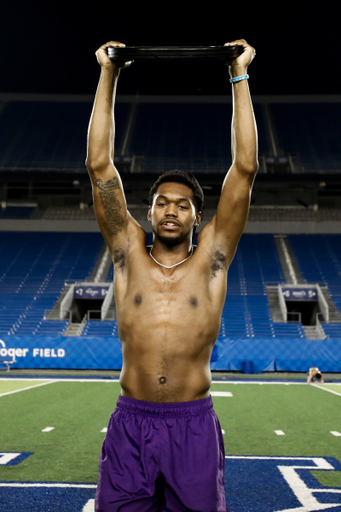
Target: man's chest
(177,289)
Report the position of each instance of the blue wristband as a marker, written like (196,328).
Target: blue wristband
(239,78)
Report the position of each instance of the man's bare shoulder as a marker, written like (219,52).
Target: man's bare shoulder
(132,243)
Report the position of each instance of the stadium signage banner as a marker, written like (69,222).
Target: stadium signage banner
(103,353)
(62,352)
(294,293)
(90,292)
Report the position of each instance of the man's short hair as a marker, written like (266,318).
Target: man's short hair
(180,177)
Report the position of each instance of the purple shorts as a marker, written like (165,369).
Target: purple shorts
(162,457)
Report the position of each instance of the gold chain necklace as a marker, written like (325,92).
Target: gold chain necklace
(165,266)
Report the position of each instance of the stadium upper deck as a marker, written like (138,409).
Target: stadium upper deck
(49,133)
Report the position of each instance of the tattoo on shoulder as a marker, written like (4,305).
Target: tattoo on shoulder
(219,262)
(111,205)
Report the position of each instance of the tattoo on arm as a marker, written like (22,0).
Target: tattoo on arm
(111,205)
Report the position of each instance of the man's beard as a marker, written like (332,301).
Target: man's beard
(171,241)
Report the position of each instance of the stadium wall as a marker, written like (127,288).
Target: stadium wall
(86,226)
(253,355)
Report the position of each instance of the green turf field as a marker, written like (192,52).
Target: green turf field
(79,410)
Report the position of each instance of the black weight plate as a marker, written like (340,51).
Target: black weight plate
(174,52)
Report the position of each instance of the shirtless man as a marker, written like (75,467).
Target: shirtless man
(164,448)
(314,373)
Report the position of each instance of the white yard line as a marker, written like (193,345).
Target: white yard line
(326,389)
(25,484)
(58,379)
(333,383)
(25,389)
(257,382)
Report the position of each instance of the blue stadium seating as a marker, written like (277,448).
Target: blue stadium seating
(319,260)
(194,137)
(48,135)
(246,311)
(312,131)
(16,212)
(35,266)
(99,328)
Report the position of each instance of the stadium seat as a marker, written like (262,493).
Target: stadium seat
(311,131)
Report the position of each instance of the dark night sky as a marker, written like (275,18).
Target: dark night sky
(48,47)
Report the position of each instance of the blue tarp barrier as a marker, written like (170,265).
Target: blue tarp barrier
(265,354)
(278,354)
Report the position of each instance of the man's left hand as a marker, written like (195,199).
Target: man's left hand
(239,65)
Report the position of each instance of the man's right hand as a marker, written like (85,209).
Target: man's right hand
(103,59)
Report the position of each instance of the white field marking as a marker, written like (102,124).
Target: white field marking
(72,486)
(335,433)
(58,379)
(303,383)
(221,393)
(28,387)
(48,429)
(301,491)
(5,458)
(222,431)
(336,491)
(322,463)
(326,389)
(89,506)
(303,494)
(104,429)
(279,432)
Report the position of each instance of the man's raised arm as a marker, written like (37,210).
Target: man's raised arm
(234,202)
(109,200)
